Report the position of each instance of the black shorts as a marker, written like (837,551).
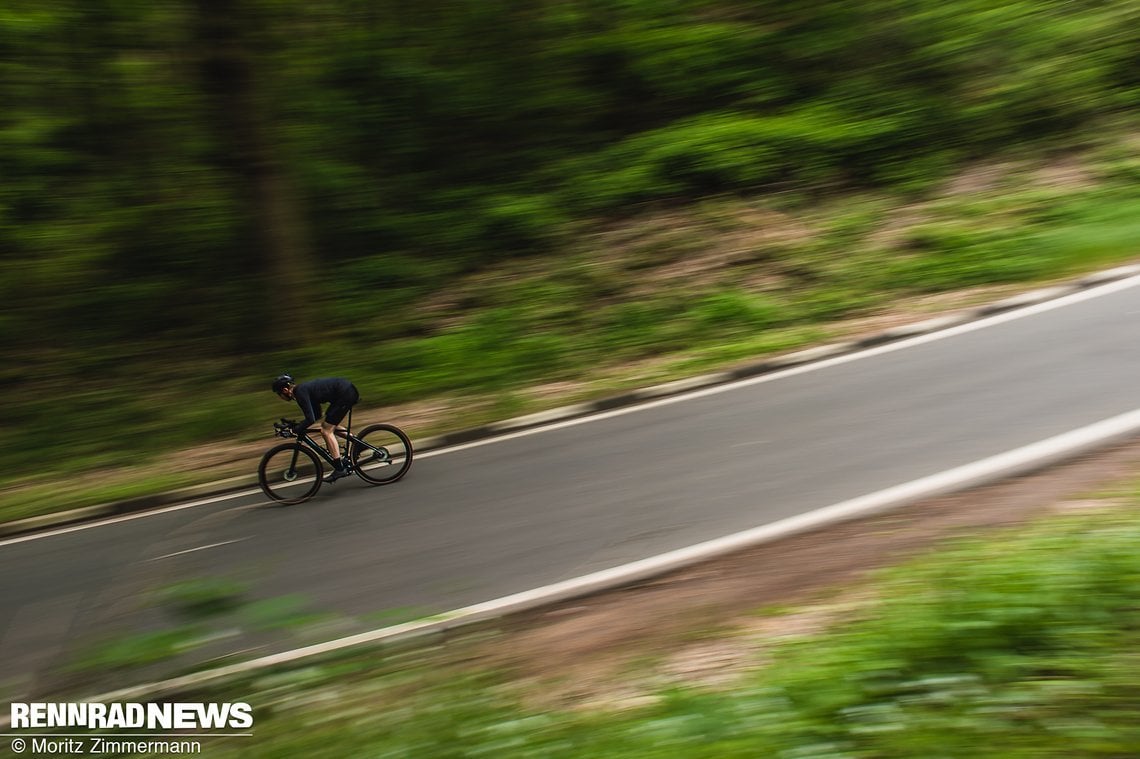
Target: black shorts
(341,406)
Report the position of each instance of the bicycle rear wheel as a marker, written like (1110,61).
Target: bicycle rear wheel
(381,454)
(290,473)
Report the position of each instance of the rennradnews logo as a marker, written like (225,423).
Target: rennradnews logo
(120,716)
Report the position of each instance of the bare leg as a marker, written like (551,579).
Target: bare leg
(330,439)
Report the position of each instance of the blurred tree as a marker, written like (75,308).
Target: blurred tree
(239,117)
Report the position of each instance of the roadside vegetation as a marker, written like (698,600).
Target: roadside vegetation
(484,210)
(1015,643)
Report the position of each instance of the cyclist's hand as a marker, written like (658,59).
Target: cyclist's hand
(286,428)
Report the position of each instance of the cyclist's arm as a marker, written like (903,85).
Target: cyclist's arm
(311,415)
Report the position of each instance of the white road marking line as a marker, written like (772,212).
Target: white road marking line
(199,548)
(128,517)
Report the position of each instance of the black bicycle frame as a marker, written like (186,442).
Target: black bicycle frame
(349,438)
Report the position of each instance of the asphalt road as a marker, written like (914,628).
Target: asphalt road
(503,516)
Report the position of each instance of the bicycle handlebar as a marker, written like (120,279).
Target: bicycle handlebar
(286,428)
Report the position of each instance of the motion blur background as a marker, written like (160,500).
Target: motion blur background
(477,208)
(447,198)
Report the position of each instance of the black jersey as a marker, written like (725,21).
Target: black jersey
(310,395)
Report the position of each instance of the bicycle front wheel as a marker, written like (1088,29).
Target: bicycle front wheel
(381,454)
(290,473)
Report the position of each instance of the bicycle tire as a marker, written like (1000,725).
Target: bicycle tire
(290,473)
(383,454)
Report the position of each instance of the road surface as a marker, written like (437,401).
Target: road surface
(503,516)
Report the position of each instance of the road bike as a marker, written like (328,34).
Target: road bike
(293,472)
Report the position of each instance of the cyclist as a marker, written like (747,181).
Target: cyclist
(339,393)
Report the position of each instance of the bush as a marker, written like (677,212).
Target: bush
(730,151)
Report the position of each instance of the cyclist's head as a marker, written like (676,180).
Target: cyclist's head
(283,383)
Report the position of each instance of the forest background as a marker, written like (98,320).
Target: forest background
(448,199)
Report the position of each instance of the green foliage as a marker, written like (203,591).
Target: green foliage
(138,650)
(1062,235)
(198,610)
(1095,231)
(830,303)
(728,312)
(284,612)
(954,257)
(496,351)
(199,599)
(195,191)
(733,151)
(987,641)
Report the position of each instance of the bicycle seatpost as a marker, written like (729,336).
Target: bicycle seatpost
(345,457)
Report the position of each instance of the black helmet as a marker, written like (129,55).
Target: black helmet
(282,382)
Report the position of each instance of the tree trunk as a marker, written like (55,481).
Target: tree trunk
(281,253)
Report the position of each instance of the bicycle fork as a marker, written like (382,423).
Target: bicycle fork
(291,473)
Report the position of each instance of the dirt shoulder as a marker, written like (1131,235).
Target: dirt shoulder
(706,624)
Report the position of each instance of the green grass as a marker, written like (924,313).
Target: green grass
(1049,237)
(690,290)
(1023,644)
(74,490)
